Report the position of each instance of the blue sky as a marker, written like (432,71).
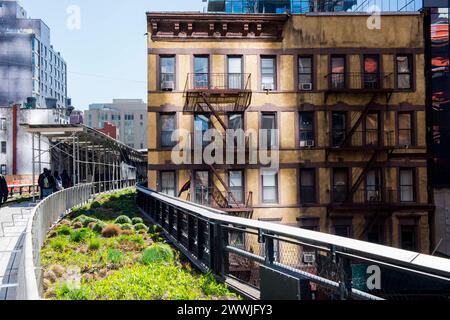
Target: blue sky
(106,58)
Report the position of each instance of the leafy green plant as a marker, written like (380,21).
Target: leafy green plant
(64,230)
(137,220)
(99,226)
(140,226)
(80,235)
(123,220)
(115,257)
(95,205)
(68,291)
(158,252)
(94,244)
(211,287)
(58,244)
(126,226)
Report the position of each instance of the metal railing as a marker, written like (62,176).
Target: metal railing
(218,81)
(45,215)
(360,81)
(239,251)
(21,189)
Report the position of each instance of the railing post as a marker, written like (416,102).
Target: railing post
(190,232)
(179,219)
(222,254)
(346,284)
(171,216)
(269,249)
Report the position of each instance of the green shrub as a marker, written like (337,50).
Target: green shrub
(58,244)
(123,220)
(140,226)
(211,287)
(99,226)
(157,252)
(137,220)
(94,244)
(64,230)
(115,257)
(126,226)
(80,235)
(95,205)
(67,291)
(133,238)
(85,220)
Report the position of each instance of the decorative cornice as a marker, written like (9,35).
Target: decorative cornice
(167,26)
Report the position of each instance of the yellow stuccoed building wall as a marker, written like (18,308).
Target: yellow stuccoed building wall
(318,36)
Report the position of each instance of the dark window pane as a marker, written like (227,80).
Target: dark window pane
(167,123)
(306,129)
(409,237)
(308,186)
(407,185)
(168,183)
(338,128)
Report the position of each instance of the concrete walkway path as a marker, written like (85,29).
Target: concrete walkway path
(13,222)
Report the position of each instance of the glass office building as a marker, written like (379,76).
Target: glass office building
(279,6)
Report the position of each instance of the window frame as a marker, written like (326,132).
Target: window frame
(160,188)
(242,188)
(160,129)
(275,71)
(161,57)
(273,144)
(312,130)
(411,73)
(312,73)
(413,186)
(314,186)
(3,147)
(277,189)
(330,80)
(412,130)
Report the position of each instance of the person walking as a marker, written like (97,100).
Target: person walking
(66,182)
(4,193)
(58,182)
(46,183)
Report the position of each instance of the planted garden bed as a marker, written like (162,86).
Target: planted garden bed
(106,251)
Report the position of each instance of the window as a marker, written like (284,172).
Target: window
(270,186)
(404,72)
(236,123)
(235,72)
(236,184)
(371,72)
(3,147)
(376,234)
(343,228)
(372,133)
(201,125)
(167,123)
(168,183)
(202,187)
(339,125)
(167,73)
(306,129)
(409,235)
(3,169)
(305,73)
(310,224)
(340,184)
(307,186)
(3,124)
(201,70)
(269,136)
(268,73)
(405,129)
(337,72)
(373,185)
(407,185)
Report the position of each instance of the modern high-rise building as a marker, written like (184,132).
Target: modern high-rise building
(128,115)
(279,6)
(32,72)
(342,105)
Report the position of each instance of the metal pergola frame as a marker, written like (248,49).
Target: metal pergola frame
(88,154)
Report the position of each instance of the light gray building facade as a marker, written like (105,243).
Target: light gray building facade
(32,73)
(128,115)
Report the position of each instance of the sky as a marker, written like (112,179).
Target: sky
(106,56)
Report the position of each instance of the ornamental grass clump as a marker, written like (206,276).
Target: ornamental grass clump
(140,226)
(123,220)
(158,252)
(111,230)
(136,221)
(80,235)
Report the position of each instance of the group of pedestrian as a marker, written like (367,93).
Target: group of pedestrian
(50,183)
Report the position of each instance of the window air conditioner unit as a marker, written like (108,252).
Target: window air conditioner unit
(305,86)
(168,85)
(307,144)
(268,86)
(309,257)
